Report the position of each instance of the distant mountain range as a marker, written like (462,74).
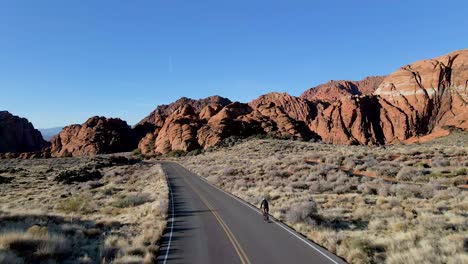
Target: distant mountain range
(418,101)
(48,133)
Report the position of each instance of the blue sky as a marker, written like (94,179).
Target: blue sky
(64,61)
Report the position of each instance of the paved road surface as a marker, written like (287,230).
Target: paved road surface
(206,225)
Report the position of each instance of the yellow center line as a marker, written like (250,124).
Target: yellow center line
(243,257)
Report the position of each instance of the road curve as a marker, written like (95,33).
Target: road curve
(207,225)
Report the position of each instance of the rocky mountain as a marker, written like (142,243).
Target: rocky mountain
(334,90)
(18,135)
(410,103)
(97,135)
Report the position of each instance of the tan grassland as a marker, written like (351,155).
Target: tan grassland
(103,209)
(394,204)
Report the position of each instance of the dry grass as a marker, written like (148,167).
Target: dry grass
(362,219)
(104,209)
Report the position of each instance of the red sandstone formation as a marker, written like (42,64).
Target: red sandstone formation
(158,116)
(97,135)
(410,103)
(19,135)
(334,90)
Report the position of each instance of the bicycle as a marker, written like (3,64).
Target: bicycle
(266,216)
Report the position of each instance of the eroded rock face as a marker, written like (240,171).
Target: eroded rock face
(354,120)
(334,90)
(430,92)
(159,115)
(179,131)
(19,135)
(410,103)
(227,123)
(209,111)
(98,135)
(295,107)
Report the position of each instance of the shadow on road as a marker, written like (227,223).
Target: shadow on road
(178,223)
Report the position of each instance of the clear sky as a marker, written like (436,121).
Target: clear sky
(63,61)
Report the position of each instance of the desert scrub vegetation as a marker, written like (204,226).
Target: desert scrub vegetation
(103,209)
(393,204)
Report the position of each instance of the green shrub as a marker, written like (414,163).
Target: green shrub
(131,200)
(176,153)
(75,204)
(136,152)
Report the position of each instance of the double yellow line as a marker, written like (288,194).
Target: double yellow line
(243,257)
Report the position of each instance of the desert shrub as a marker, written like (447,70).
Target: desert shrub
(440,162)
(378,224)
(121,160)
(229,171)
(131,200)
(405,191)
(446,194)
(315,187)
(240,184)
(386,169)
(305,212)
(39,247)
(136,152)
(10,170)
(325,169)
(334,159)
(410,173)
(422,165)
(195,152)
(358,250)
(369,162)
(461,171)
(367,188)
(78,175)
(427,190)
(383,189)
(342,188)
(278,173)
(351,162)
(176,153)
(299,185)
(74,204)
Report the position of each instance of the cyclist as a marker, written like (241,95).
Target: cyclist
(265,207)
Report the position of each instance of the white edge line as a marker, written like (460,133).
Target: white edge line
(172,217)
(255,209)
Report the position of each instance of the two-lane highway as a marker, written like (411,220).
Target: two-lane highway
(207,225)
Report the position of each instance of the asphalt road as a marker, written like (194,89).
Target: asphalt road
(207,225)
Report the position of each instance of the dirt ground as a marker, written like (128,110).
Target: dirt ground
(99,209)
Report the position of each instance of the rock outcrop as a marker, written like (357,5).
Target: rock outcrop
(430,92)
(297,108)
(334,90)
(414,101)
(19,135)
(227,123)
(179,132)
(410,103)
(98,135)
(158,116)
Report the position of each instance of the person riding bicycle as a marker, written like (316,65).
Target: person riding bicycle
(264,205)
